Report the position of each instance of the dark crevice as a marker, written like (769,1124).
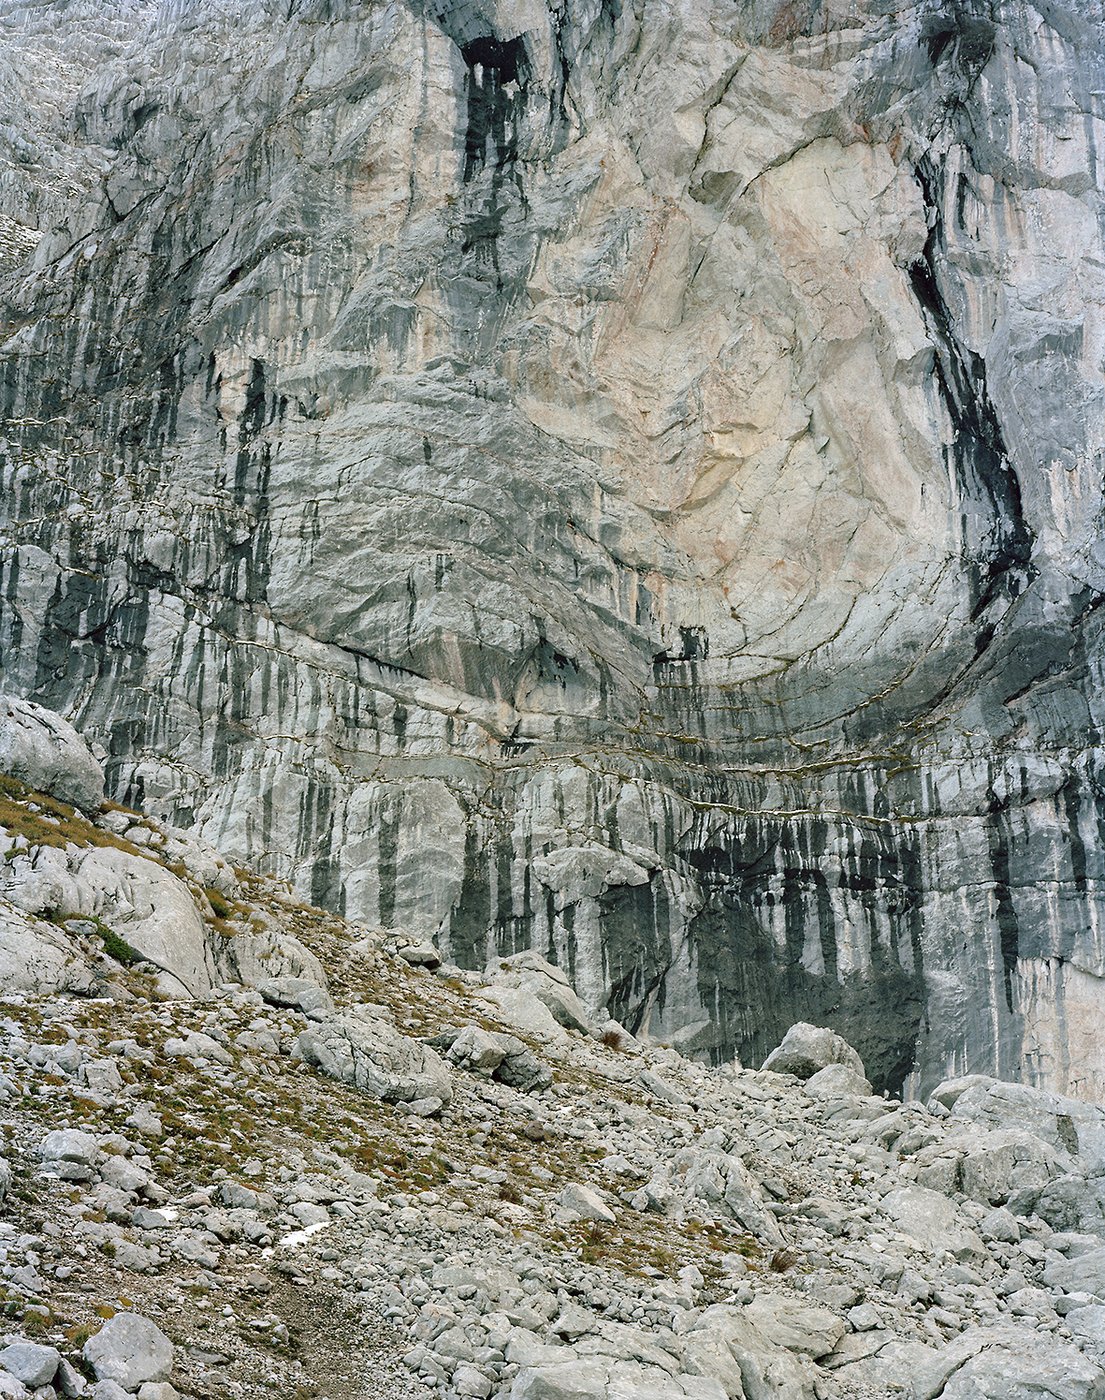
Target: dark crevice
(997,543)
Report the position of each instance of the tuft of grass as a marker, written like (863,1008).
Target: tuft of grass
(36,1321)
(78,1334)
(221,907)
(53,823)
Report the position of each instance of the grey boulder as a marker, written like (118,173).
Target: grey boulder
(838,1081)
(44,751)
(1083,1274)
(807,1328)
(70,1145)
(30,1363)
(931,1221)
(1068,1126)
(530,972)
(806,1049)
(300,992)
(1008,1363)
(130,1349)
(359,1047)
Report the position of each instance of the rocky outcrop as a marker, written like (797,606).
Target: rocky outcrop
(45,752)
(617,481)
(36,957)
(146,905)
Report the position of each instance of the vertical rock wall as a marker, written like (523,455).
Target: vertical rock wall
(621,479)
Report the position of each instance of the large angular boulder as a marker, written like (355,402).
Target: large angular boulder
(1088,1326)
(495,1054)
(129,1350)
(806,1049)
(1085,1273)
(992,1167)
(1068,1126)
(1073,1203)
(931,1221)
(361,1048)
(44,751)
(530,972)
(803,1327)
(31,1363)
(37,958)
(707,1173)
(724,1341)
(520,1008)
(1008,1362)
(300,992)
(254,958)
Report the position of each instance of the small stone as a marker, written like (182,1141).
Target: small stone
(69,1380)
(420,955)
(467,1381)
(110,1390)
(158,1390)
(309,1214)
(146,1219)
(864,1318)
(197,1046)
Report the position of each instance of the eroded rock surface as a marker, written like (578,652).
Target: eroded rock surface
(623,481)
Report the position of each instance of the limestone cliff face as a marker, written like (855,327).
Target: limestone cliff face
(614,477)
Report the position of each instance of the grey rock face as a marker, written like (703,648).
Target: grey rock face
(623,481)
(1010,1363)
(36,957)
(144,902)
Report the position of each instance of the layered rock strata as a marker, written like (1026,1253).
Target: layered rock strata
(616,480)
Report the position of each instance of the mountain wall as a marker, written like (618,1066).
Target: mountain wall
(614,478)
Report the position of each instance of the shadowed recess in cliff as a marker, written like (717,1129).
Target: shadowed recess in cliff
(852,930)
(498,70)
(953,34)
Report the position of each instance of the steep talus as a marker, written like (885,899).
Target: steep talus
(617,479)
